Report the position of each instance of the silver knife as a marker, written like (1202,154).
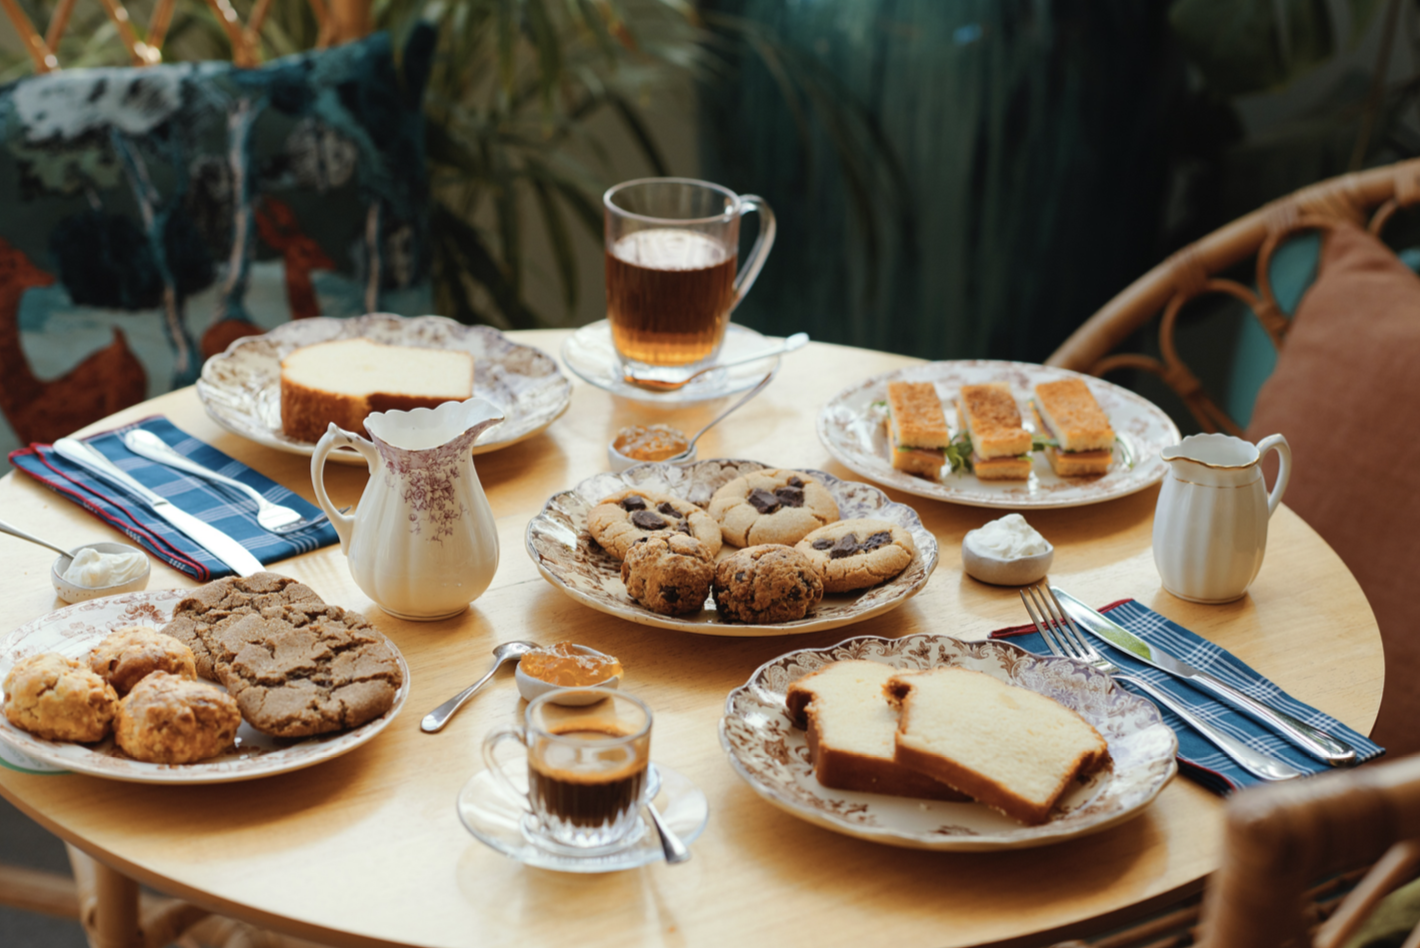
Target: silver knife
(211,539)
(1315,742)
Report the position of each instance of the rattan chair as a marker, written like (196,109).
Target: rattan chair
(1369,197)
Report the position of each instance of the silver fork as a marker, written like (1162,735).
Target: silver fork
(271,516)
(1066,640)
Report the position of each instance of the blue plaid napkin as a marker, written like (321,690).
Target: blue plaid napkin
(226,509)
(1201,760)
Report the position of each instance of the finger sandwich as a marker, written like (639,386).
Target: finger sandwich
(1083,436)
(1000,446)
(918,427)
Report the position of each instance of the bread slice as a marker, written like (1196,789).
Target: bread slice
(1001,469)
(1073,417)
(1010,748)
(850,729)
(344,380)
(918,428)
(989,413)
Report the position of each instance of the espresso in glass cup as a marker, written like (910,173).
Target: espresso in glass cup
(586,769)
(672,274)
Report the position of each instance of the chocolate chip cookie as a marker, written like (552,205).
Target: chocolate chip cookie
(669,573)
(622,519)
(766,584)
(771,506)
(856,554)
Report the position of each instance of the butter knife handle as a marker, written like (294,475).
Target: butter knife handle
(92,460)
(1313,741)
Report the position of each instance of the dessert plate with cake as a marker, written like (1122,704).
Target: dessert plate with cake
(998,434)
(283,388)
(136,687)
(930,742)
(731,547)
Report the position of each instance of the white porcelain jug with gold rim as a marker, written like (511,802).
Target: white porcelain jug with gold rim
(1210,525)
(422,542)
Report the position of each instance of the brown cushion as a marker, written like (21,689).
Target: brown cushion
(1347,379)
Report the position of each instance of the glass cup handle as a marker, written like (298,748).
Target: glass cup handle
(762,244)
(490,759)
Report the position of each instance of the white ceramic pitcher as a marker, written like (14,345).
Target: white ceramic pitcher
(422,542)
(1210,526)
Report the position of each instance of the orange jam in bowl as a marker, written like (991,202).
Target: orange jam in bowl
(567,666)
(650,443)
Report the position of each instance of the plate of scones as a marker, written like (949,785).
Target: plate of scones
(998,434)
(731,547)
(930,742)
(240,678)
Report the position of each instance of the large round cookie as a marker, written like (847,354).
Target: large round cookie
(771,506)
(766,584)
(856,554)
(621,519)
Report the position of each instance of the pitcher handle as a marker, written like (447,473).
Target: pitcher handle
(336,437)
(1284,467)
(490,759)
(762,244)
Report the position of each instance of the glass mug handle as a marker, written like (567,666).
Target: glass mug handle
(760,251)
(490,760)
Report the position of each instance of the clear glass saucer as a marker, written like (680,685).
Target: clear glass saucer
(495,817)
(590,355)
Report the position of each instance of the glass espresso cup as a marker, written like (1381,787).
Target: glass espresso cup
(671,281)
(586,769)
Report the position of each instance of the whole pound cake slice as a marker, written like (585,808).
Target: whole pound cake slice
(295,665)
(850,728)
(1010,748)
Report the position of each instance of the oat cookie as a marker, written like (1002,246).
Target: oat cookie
(856,554)
(622,519)
(225,601)
(59,699)
(766,584)
(168,719)
(133,652)
(771,506)
(669,573)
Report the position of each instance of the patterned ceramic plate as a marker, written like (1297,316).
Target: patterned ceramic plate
(772,755)
(558,542)
(241,388)
(853,426)
(74,630)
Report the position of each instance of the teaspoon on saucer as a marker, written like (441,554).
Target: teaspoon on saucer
(675,850)
(508,651)
(670,382)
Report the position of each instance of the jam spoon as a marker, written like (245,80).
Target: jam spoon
(508,651)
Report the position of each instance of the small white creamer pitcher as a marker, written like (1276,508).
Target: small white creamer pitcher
(422,542)
(1210,526)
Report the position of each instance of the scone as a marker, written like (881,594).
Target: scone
(669,573)
(131,653)
(766,584)
(59,699)
(771,506)
(621,519)
(858,553)
(168,719)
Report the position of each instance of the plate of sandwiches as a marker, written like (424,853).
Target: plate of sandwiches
(731,547)
(930,742)
(238,679)
(998,434)
(284,387)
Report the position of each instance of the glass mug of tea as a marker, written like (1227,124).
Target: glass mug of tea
(671,255)
(586,769)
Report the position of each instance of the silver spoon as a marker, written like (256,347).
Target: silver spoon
(509,651)
(671,383)
(15,531)
(671,845)
(690,448)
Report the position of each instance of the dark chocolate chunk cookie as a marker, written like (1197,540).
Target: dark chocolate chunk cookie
(766,584)
(771,506)
(856,554)
(622,519)
(669,573)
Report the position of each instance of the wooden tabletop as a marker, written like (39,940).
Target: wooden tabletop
(367,849)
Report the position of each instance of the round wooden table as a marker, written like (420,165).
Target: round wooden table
(367,849)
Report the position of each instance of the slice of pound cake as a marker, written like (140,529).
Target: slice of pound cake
(1010,748)
(850,727)
(344,380)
